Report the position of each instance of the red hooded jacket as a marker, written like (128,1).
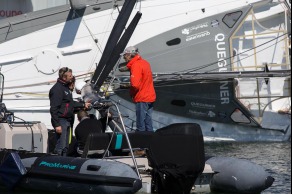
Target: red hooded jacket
(142,87)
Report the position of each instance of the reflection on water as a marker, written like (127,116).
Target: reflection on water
(274,157)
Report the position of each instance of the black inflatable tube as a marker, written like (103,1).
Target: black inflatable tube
(84,178)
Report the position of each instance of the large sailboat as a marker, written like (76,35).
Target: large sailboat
(222,64)
(10,8)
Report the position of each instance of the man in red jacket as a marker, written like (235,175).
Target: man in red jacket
(142,88)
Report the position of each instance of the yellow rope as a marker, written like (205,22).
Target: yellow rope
(70,135)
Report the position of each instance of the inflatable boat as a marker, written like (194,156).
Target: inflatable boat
(68,175)
(173,171)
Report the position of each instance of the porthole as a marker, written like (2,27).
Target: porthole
(180,103)
(174,42)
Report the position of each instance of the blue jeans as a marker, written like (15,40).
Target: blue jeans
(62,144)
(144,116)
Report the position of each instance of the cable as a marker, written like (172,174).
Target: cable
(188,71)
(248,56)
(213,63)
(32,134)
(185,72)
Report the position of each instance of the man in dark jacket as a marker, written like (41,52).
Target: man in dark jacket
(62,109)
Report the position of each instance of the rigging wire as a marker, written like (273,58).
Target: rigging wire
(188,71)
(61,20)
(105,91)
(215,80)
(32,133)
(253,15)
(209,80)
(90,32)
(44,23)
(106,29)
(95,40)
(214,63)
(258,51)
(66,10)
(260,25)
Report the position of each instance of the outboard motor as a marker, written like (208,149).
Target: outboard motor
(176,154)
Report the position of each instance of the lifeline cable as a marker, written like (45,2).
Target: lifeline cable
(187,71)
(32,134)
(214,63)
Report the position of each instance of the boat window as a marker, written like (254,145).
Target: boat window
(238,117)
(231,18)
(173,42)
(181,103)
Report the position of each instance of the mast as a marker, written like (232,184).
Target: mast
(115,45)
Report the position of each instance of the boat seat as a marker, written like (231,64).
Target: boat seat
(90,152)
(94,144)
(100,141)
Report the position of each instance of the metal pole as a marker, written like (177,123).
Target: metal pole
(128,140)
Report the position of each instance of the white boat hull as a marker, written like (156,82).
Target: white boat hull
(30,59)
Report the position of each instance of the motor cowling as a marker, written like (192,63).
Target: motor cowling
(176,154)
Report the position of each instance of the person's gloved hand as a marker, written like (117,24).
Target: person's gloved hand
(87,106)
(124,69)
(125,86)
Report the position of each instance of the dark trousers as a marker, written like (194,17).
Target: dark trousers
(62,144)
(144,116)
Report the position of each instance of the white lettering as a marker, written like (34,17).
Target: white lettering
(224,85)
(221,55)
(221,52)
(224,93)
(222,63)
(222,44)
(199,35)
(203,105)
(187,31)
(219,37)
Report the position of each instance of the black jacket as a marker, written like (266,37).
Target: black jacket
(61,103)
